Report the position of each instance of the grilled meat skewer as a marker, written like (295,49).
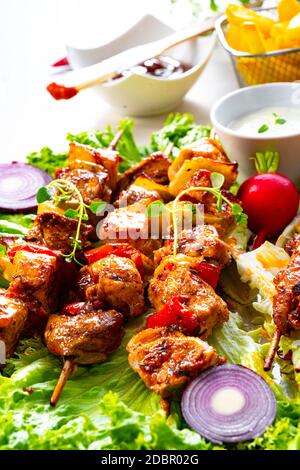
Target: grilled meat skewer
(286,302)
(84,334)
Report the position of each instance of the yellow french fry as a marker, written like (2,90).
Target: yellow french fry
(238,15)
(271,44)
(278,28)
(254,38)
(287,9)
(293,34)
(234,37)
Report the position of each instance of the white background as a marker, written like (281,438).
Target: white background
(32,36)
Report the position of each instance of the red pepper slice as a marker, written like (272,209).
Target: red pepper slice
(209,272)
(175,313)
(43,250)
(123,250)
(74,309)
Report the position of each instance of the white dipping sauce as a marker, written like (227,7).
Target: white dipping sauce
(227,401)
(271,121)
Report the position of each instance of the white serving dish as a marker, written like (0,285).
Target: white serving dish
(242,148)
(140,95)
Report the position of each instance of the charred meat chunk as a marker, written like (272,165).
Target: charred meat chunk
(179,276)
(116,281)
(167,360)
(286,302)
(95,160)
(155,167)
(13,317)
(57,232)
(202,241)
(92,186)
(88,337)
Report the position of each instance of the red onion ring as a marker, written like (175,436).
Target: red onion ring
(257,413)
(19,183)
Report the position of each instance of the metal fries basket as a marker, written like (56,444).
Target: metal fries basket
(250,69)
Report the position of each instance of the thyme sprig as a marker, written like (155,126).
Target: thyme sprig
(64,191)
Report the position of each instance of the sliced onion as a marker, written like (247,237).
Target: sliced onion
(19,184)
(247,416)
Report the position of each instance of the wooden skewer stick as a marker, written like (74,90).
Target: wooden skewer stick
(72,82)
(64,375)
(272,351)
(117,137)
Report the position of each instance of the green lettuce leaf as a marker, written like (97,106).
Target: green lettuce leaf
(47,160)
(15,224)
(179,129)
(89,414)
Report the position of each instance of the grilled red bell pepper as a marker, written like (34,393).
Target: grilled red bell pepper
(209,272)
(43,250)
(175,313)
(123,250)
(74,309)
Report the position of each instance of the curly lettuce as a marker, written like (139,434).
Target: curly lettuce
(179,130)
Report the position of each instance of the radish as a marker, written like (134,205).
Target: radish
(270,199)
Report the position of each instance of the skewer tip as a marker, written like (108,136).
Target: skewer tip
(64,375)
(272,351)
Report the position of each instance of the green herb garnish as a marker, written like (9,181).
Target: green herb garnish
(263,128)
(278,120)
(64,191)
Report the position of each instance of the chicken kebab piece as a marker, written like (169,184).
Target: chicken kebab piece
(13,317)
(205,154)
(182,297)
(165,355)
(195,168)
(139,187)
(93,174)
(166,359)
(87,331)
(114,276)
(286,302)
(39,279)
(83,334)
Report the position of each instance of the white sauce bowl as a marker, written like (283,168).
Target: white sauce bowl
(241,147)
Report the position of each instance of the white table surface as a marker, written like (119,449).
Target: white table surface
(32,36)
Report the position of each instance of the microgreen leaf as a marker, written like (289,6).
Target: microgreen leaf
(71,214)
(217,180)
(219,203)
(263,128)
(43,195)
(97,207)
(155,209)
(240,217)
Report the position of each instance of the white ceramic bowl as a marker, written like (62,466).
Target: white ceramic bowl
(243,147)
(140,95)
